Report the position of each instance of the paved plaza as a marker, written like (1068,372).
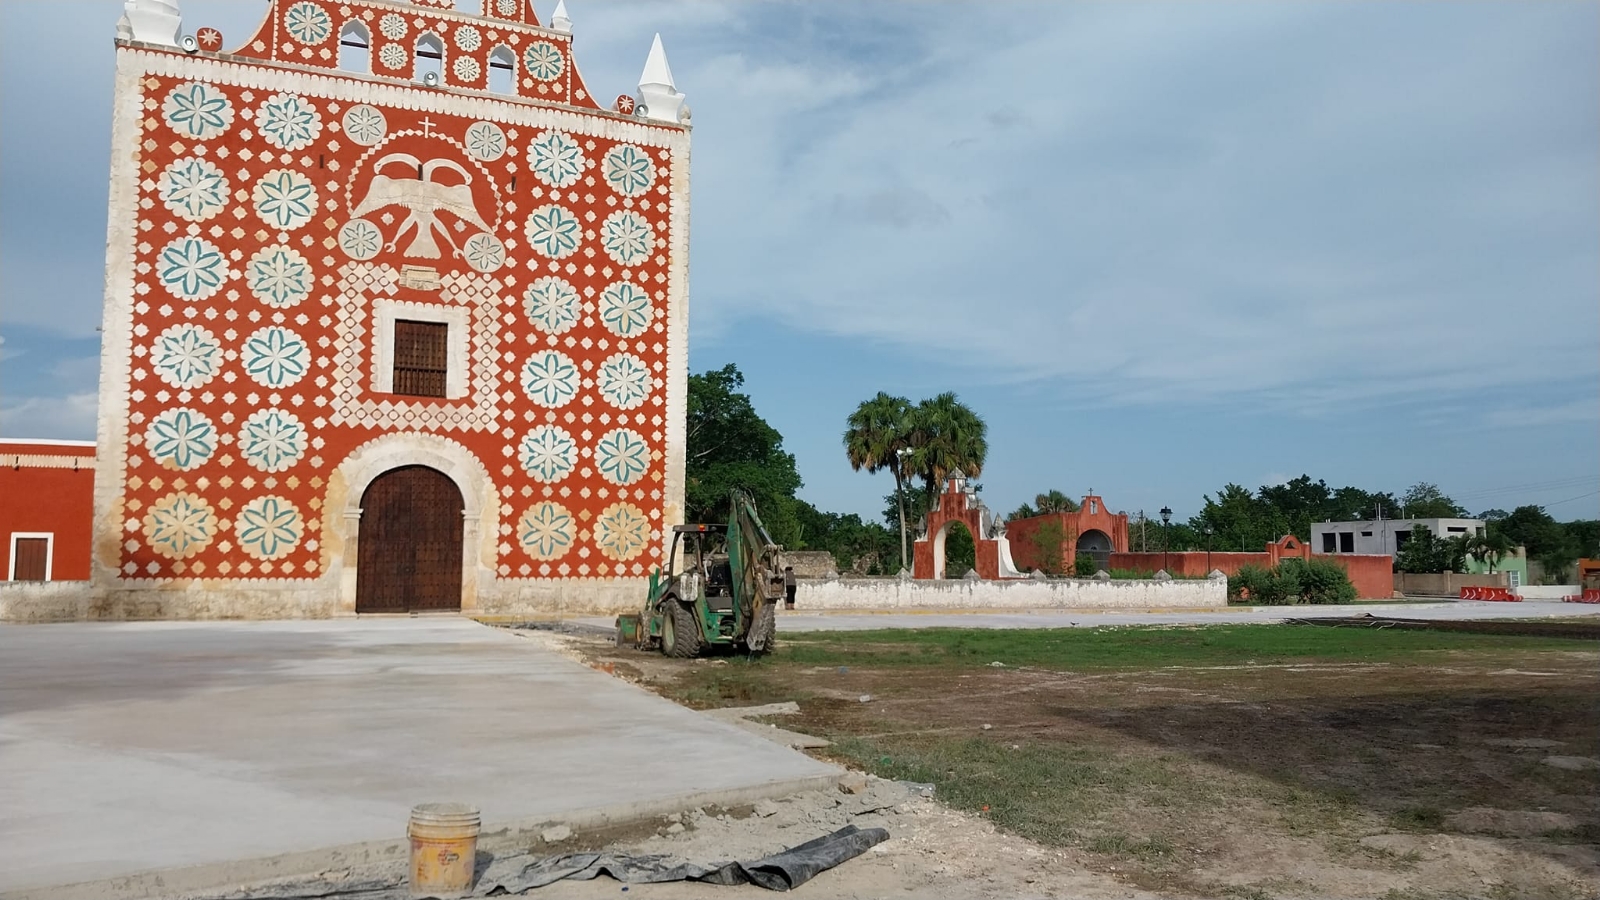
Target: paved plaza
(136,746)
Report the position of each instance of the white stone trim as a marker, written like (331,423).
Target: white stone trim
(480,508)
(49,553)
(43,461)
(43,442)
(384,314)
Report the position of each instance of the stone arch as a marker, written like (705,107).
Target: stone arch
(480,507)
(1097,544)
(939,546)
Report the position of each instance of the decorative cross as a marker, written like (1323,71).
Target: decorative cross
(427,127)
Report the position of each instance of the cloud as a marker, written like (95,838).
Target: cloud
(1533,416)
(69,417)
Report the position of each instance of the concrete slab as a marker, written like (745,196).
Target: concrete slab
(136,746)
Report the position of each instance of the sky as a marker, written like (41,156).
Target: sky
(1158,247)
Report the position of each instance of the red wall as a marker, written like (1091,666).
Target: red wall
(1373,576)
(54,498)
(1092,515)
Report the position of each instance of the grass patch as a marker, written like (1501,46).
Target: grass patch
(1418,818)
(1139,647)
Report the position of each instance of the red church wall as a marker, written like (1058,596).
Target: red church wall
(1092,515)
(955,506)
(47,488)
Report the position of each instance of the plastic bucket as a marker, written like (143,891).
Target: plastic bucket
(444,845)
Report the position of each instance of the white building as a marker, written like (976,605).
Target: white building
(1383,536)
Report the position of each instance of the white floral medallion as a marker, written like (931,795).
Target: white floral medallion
(627,237)
(186,356)
(197,110)
(288,122)
(624,381)
(365,124)
(307,23)
(392,26)
(621,456)
(284,199)
(279,276)
(275,357)
(552,305)
(180,439)
(625,309)
(193,189)
(466,69)
(272,440)
(486,141)
(393,56)
(179,525)
(360,239)
(468,38)
(191,268)
(545,531)
(621,531)
(628,169)
(543,60)
(550,379)
(556,158)
(553,231)
(268,527)
(484,252)
(548,454)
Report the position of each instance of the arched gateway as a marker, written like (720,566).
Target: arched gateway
(409,554)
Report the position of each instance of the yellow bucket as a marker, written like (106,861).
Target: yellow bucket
(444,844)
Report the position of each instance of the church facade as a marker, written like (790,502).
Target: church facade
(395,317)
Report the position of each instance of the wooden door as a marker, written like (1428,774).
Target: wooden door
(32,557)
(409,545)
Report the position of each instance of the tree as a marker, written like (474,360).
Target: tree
(1425,501)
(1489,549)
(1047,542)
(946,435)
(730,447)
(877,437)
(1238,520)
(1053,501)
(1297,504)
(1424,553)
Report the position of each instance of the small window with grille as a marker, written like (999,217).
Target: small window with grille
(421,357)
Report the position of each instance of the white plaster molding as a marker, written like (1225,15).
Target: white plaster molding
(559,19)
(40,461)
(662,102)
(153,21)
(384,314)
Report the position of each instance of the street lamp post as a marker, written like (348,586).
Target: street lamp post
(1166,536)
(900,497)
(1207,531)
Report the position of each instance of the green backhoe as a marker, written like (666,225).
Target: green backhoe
(719,588)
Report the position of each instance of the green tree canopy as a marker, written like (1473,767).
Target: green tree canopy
(946,435)
(877,437)
(729,446)
(1425,501)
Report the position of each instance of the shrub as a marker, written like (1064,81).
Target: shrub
(1085,566)
(1292,581)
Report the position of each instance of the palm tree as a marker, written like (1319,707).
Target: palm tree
(877,437)
(1054,501)
(945,435)
(1489,548)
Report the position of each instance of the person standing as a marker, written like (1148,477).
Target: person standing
(788,587)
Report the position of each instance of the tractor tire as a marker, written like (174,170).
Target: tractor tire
(680,633)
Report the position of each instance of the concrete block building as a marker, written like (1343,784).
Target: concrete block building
(395,317)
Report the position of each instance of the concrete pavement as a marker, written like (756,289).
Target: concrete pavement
(137,746)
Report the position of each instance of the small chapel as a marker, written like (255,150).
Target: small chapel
(395,316)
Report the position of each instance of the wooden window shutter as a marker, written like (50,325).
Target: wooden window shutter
(421,354)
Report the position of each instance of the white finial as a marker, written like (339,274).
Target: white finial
(124,28)
(153,21)
(559,20)
(662,101)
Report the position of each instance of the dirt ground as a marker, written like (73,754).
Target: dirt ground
(1460,775)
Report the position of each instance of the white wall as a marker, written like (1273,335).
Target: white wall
(1062,593)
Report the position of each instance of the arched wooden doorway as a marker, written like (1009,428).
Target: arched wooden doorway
(409,544)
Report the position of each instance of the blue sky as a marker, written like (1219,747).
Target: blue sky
(1159,247)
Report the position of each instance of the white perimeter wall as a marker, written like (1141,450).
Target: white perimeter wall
(1064,593)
